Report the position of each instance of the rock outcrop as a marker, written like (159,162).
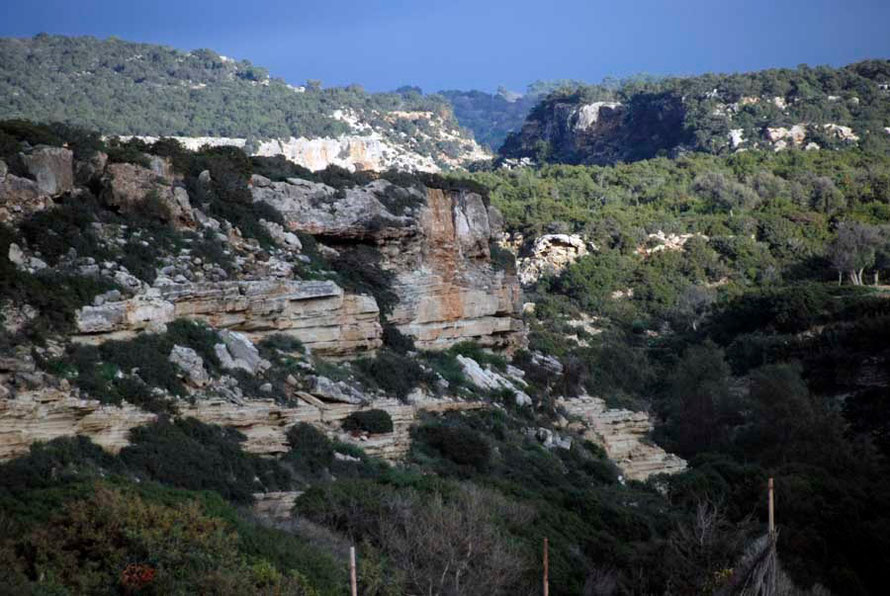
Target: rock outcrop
(47,413)
(129,186)
(550,254)
(366,148)
(433,242)
(52,168)
(318,313)
(624,436)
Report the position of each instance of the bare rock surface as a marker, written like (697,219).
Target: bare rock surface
(52,168)
(550,254)
(624,436)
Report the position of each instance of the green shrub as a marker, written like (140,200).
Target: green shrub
(311,452)
(197,456)
(131,151)
(473,350)
(397,341)
(358,269)
(278,169)
(281,342)
(371,421)
(459,444)
(392,373)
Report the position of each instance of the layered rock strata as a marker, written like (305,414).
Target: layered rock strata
(47,413)
(433,242)
(318,313)
(624,436)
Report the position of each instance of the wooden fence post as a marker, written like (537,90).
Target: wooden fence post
(772,510)
(353,583)
(546,568)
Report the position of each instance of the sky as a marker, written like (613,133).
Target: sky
(481,44)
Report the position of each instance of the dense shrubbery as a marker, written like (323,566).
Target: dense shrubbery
(671,114)
(742,343)
(189,454)
(130,370)
(213,96)
(391,372)
(371,421)
(69,527)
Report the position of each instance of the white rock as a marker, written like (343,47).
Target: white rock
(490,380)
(190,363)
(551,253)
(17,255)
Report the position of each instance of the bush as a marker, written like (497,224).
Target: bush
(197,456)
(358,269)
(311,452)
(371,421)
(473,350)
(459,444)
(397,341)
(392,373)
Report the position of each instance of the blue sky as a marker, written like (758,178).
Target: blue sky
(483,43)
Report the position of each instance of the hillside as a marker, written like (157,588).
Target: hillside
(227,356)
(123,88)
(807,108)
(356,350)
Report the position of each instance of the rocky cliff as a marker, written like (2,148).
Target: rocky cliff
(260,336)
(624,436)
(773,110)
(365,146)
(433,243)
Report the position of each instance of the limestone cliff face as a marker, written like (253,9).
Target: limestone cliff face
(367,147)
(50,412)
(318,313)
(624,436)
(435,244)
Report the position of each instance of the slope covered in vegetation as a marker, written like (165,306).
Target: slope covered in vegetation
(644,118)
(710,297)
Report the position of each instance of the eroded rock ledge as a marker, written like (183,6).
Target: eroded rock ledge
(47,413)
(318,313)
(624,436)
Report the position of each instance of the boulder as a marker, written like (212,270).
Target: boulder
(52,168)
(242,353)
(191,364)
(338,391)
(20,197)
(487,379)
(94,167)
(127,186)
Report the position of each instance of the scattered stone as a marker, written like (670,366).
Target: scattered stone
(551,254)
(243,354)
(490,380)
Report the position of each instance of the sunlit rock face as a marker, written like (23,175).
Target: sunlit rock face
(435,245)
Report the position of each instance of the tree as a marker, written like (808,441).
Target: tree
(853,250)
(699,395)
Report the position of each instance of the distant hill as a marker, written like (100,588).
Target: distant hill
(125,88)
(808,108)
